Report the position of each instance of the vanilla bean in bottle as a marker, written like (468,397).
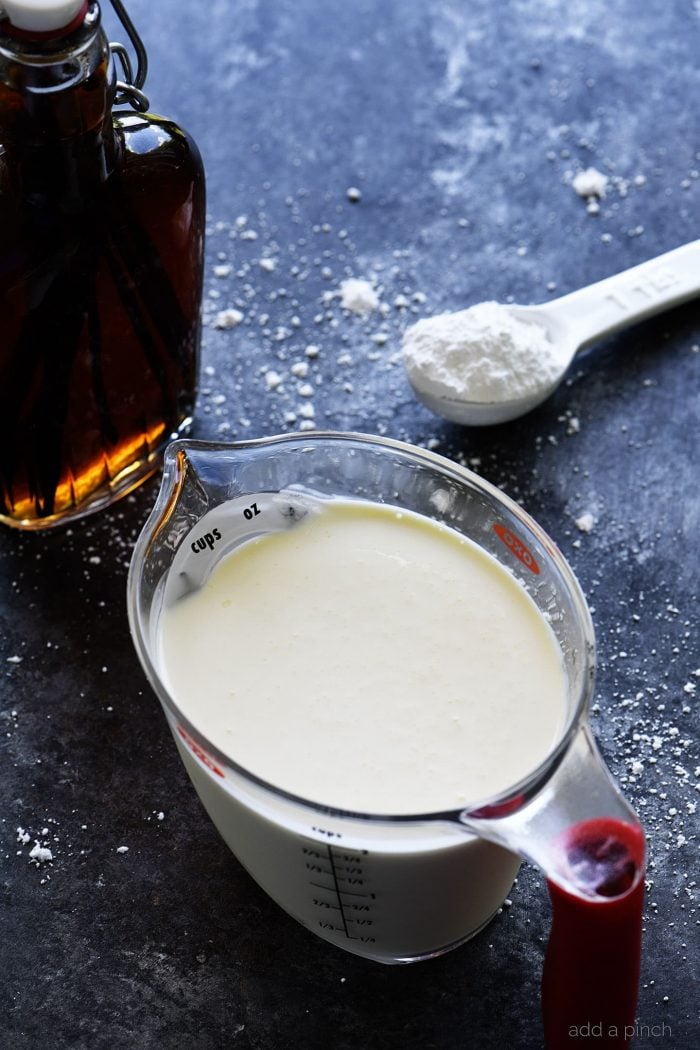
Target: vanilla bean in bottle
(101,260)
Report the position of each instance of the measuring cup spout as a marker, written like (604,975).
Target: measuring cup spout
(578,829)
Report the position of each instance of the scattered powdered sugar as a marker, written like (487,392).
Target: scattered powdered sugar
(272,379)
(40,854)
(590,183)
(358,296)
(228,318)
(483,354)
(594,186)
(585,522)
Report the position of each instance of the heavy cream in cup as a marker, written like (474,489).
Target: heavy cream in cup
(368,659)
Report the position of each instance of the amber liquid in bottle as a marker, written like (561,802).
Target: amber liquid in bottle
(101,258)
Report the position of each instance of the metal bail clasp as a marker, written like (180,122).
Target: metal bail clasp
(129,89)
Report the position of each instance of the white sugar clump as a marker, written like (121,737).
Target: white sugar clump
(590,183)
(228,318)
(585,521)
(40,854)
(358,296)
(483,354)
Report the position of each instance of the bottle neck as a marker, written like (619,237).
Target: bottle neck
(55,107)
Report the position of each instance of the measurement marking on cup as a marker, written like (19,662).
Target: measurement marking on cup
(337,890)
(348,897)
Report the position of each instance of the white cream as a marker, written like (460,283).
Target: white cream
(368,659)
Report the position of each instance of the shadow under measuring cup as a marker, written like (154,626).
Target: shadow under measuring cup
(403,887)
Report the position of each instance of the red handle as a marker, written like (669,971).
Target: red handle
(591,970)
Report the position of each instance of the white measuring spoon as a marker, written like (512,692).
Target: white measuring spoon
(571,323)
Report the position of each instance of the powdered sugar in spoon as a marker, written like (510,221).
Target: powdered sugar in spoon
(495,362)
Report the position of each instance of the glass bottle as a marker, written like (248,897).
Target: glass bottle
(101,263)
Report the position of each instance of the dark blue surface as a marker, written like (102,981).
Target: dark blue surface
(461,125)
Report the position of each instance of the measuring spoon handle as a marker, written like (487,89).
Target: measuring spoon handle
(605,307)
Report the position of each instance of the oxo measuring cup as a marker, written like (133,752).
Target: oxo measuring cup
(403,888)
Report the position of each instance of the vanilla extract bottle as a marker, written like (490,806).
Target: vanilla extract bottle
(101,263)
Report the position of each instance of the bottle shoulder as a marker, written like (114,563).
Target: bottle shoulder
(149,135)
(156,175)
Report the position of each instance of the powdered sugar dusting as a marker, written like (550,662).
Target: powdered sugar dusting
(358,296)
(590,183)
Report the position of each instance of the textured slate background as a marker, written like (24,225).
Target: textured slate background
(462,125)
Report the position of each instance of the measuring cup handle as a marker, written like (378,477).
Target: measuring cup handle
(584,836)
(591,970)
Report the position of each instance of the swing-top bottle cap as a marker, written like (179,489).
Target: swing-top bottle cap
(42,16)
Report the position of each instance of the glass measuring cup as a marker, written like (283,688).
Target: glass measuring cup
(401,888)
